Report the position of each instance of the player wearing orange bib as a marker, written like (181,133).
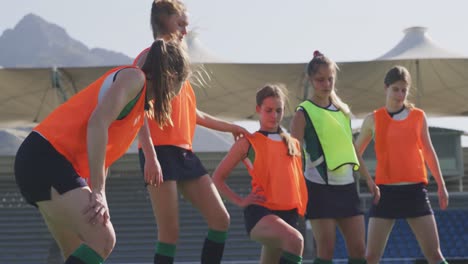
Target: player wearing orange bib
(61,166)
(178,168)
(403,147)
(279,193)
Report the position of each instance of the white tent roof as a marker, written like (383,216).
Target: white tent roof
(417,44)
(439,77)
(229,89)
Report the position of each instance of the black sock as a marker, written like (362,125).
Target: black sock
(322,261)
(213,248)
(161,259)
(357,261)
(73,260)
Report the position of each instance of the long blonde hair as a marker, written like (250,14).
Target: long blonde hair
(278,91)
(312,68)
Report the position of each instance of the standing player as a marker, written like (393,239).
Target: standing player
(403,147)
(323,123)
(177,167)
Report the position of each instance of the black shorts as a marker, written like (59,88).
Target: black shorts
(332,201)
(253,213)
(402,201)
(38,167)
(177,164)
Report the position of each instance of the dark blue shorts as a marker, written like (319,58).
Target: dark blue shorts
(332,201)
(177,164)
(402,201)
(253,213)
(38,167)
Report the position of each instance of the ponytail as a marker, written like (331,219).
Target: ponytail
(293,150)
(166,67)
(336,100)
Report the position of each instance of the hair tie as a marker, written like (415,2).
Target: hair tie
(317,53)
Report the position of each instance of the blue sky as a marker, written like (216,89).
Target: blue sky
(259,30)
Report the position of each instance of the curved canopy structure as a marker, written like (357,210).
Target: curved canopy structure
(439,77)
(440,83)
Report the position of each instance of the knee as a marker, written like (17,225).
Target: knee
(294,243)
(104,242)
(225,221)
(299,241)
(221,222)
(108,242)
(107,249)
(357,250)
